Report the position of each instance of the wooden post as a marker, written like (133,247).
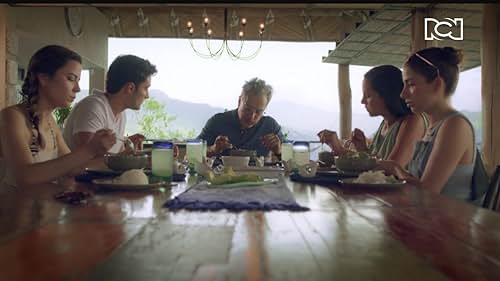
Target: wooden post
(97,79)
(345,101)
(417,31)
(3,54)
(490,84)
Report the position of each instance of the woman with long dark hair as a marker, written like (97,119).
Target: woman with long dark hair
(32,148)
(399,130)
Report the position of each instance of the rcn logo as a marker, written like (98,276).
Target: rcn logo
(444,29)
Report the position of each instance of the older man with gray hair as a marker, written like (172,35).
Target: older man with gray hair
(245,127)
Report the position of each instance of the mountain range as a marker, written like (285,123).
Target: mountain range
(300,122)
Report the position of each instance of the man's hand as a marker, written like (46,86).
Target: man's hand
(221,143)
(272,142)
(137,140)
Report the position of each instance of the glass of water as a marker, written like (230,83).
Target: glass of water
(194,151)
(286,151)
(301,152)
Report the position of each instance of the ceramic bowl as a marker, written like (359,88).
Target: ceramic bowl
(355,164)
(124,162)
(327,158)
(235,161)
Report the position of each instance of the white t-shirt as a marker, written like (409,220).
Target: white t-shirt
(91,114)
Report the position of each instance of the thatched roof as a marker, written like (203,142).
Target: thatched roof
(365,33)
(283,22)
(384,37)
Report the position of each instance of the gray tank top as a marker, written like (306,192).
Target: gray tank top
(381,145)
(459,183)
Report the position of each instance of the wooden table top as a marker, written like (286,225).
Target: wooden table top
(347,235)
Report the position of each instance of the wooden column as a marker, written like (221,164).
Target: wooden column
(417,31)
(97,79)
(490,84)
(3,54)
(345,101)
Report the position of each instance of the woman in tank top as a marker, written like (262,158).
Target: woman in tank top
(32,149)
(443,160)
(399,130)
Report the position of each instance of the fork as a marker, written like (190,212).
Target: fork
(127,142)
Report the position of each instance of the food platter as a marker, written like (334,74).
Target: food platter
(110,184)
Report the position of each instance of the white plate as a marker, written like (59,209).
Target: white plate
(244,183)
(109,184)
(337,173)
(380,186)
(255,168)
(109,172)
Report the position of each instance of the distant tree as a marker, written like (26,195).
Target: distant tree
(181,135)
(61,114)
(153,121)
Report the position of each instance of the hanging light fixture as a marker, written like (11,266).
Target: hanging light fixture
(208,33)
(174,23)
(143,22)
(115,24)
(307,26)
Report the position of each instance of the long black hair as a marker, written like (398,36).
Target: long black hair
(387,81)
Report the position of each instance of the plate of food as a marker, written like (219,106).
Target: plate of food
(355,162)
(243,183)
(337,173)
(373,180)
(131,180)
(230,179)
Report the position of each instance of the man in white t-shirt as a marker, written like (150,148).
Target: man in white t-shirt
(127,83)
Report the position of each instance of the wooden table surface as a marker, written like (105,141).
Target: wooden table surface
(347,235)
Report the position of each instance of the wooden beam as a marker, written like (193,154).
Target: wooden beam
(3,54)
(345,100)
(417,41)
(490,84)
(385,44)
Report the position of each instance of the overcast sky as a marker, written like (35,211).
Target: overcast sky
(294,70)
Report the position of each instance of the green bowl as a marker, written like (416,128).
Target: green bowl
(355,164)
(122,162)
(327,158)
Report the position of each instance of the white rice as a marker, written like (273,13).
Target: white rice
(373,177)
(133,177)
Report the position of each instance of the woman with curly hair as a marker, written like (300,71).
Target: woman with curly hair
(32,149)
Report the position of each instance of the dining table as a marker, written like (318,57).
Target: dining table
(404,233)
